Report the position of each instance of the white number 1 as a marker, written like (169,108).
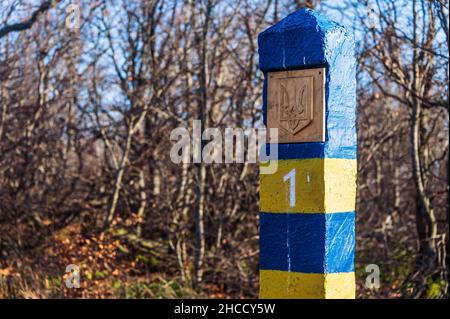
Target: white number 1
(291,176)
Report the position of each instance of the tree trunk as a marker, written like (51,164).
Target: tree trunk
(425,219)
(118,182)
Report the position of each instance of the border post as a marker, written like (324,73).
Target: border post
(307,207)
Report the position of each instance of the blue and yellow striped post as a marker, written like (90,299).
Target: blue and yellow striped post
(307,244)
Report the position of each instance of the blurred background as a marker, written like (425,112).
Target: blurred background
(90,91)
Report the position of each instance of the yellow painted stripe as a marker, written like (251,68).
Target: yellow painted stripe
(340,185)
(322,186)
(340,286)
(276,284)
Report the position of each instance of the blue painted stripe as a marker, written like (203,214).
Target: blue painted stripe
(301,42)
(309,150)
(326,45)
(307,243)
(340,128)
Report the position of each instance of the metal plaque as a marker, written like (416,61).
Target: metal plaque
(295,105)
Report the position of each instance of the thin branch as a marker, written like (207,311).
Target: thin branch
(21,26)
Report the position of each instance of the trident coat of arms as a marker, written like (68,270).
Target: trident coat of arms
(294,103)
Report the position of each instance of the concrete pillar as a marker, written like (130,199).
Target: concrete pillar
(307,208)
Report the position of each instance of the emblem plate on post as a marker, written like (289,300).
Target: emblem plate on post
(295,105)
